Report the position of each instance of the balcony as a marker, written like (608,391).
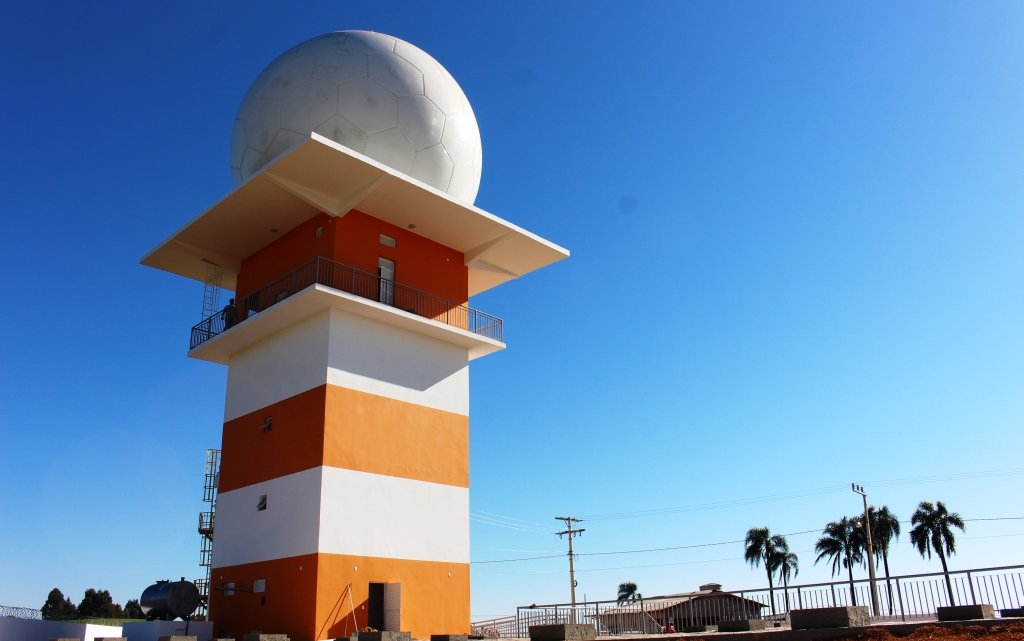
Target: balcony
(322,271)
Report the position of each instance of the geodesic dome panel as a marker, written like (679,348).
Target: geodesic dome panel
(375,94)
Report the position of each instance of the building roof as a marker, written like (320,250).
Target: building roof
(672,600)
(319,175)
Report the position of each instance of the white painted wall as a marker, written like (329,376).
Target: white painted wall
(13,629)
(351,351)
(388,361)
(354,513)
(288,527)
(287,363)
(390,517)
(153,630)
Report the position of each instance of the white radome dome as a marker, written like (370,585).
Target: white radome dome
(375,94)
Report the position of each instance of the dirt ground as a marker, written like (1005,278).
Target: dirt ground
(1008,632)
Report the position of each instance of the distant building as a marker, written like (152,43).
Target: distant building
(707,606)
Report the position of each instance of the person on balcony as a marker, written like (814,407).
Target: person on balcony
(228,314)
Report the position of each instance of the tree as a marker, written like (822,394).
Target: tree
(58,607)
(132,610)
(788,566)
(841,543)
(763,547)
(933,531)
(885,528)
(627,592)
(99,605)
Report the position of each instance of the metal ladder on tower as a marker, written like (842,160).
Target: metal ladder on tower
(206,525)
(211,290)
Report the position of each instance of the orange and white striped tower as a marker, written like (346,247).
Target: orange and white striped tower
(343,498)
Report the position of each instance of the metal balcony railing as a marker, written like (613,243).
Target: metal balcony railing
(348,279)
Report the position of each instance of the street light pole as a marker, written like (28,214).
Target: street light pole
(859,489)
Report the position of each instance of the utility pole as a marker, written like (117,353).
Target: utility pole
(571,532)
(859,489)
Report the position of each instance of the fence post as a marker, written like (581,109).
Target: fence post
(970,583)
(833,587)
(799,599)
(899,595)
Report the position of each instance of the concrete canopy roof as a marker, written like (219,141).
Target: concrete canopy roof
(319,175)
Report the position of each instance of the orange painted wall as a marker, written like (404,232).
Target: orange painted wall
(288,605)
(419,262)
(381,435)
(432,601)
(285,254)
(313,603)
(354,239)
(294,443)
(341,427)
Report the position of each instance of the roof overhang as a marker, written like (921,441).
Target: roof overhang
(319,175)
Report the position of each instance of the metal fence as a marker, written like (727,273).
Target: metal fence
(495,628)
(903,598)
(913,597)
(20,613)
(354,281)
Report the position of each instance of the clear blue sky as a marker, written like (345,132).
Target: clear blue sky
(797,262)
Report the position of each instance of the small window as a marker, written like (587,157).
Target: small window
(387,241)
(259,585)
(262,505)
(268,423)
(229,589)
(319,231)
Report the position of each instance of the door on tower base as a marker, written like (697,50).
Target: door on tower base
(384,610)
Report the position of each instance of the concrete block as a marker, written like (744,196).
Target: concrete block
(449,637)
(384,635)
(818,618)
(1008,613)
(259,636)
(966,612)
(742,625)
(563,632)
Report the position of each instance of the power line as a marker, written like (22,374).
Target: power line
(717,505)
(664,549)
(505,524)
(831,489)
(691,546)
(1000,518)
(528,558)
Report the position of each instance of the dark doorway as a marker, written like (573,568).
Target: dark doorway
(375,607)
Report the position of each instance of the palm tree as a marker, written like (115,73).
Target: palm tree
(885,528)
(841,543)
(933,531)
(627,592)
(761,546)
(787,566)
